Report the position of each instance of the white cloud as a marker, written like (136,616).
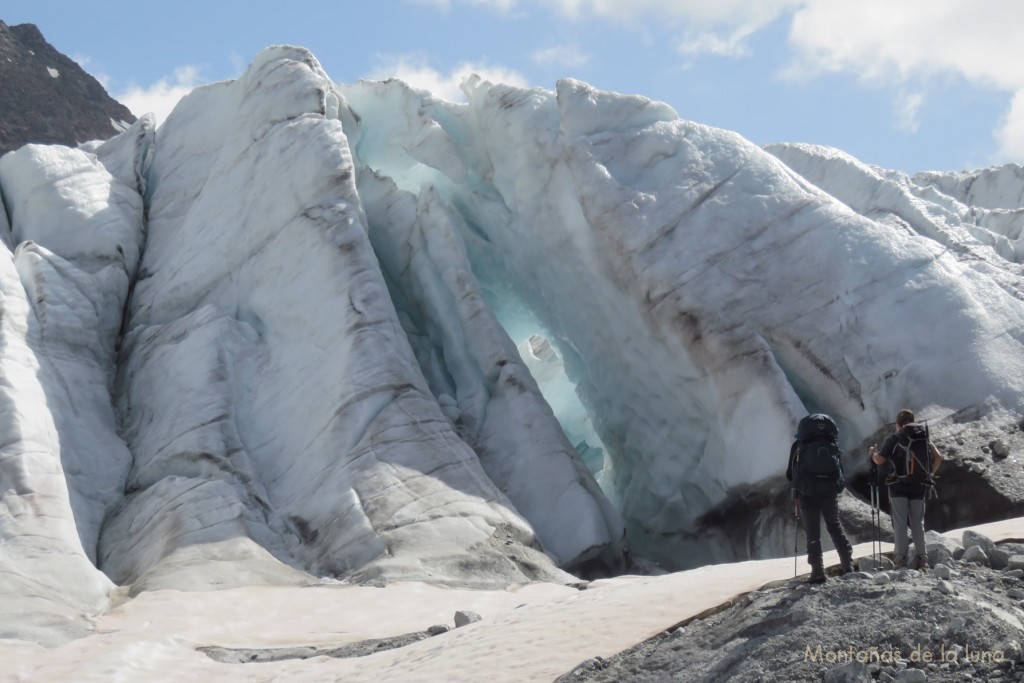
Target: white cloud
(907,107)
(161,97)
(901,45)
(716,26)
(906,43)
(885,40)
(732,44)
(721,12)
(568,56)
(1010,133)
(416,72)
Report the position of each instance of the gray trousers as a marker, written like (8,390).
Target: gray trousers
(904,510)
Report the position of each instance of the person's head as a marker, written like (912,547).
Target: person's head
(904,417)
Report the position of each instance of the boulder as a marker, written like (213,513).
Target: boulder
(911,676)
(934,539)
(464,617)
(975,554)
(850,672)
(973,538)
(999,558)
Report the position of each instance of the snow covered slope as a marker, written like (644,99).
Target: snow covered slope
(275,341)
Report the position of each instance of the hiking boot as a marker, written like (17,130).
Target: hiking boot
(921,563)
(900,564)
(845,568)
(817,575)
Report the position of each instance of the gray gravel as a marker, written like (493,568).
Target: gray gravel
(915,627)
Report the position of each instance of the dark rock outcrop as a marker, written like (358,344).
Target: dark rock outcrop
(960,621)
(47,97)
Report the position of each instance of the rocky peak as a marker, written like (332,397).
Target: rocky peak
(47,97)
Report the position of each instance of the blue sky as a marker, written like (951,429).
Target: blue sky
(909,84)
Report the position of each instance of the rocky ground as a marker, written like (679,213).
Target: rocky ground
(962,620)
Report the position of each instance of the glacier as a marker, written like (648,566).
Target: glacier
(307,332)
(734,294)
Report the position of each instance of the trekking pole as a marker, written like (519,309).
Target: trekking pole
(871,494)
(876,514)
(796,532)
(876,544)
(874,534)
(796,535)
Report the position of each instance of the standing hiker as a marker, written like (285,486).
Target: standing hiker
(913,461)
(816,470)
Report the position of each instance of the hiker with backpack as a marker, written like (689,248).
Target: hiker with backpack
(816,471)
(913,462)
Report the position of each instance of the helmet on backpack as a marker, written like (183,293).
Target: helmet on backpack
(817,426)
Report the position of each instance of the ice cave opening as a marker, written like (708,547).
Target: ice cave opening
(540,351)
(482,218)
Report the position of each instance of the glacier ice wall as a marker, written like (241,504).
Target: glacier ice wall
(703,294)
(477,375)
(78,232)
(261,344)
(309,416)
(207,383)
(928,204)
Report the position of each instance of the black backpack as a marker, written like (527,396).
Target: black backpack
(818,464)
(912,456)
